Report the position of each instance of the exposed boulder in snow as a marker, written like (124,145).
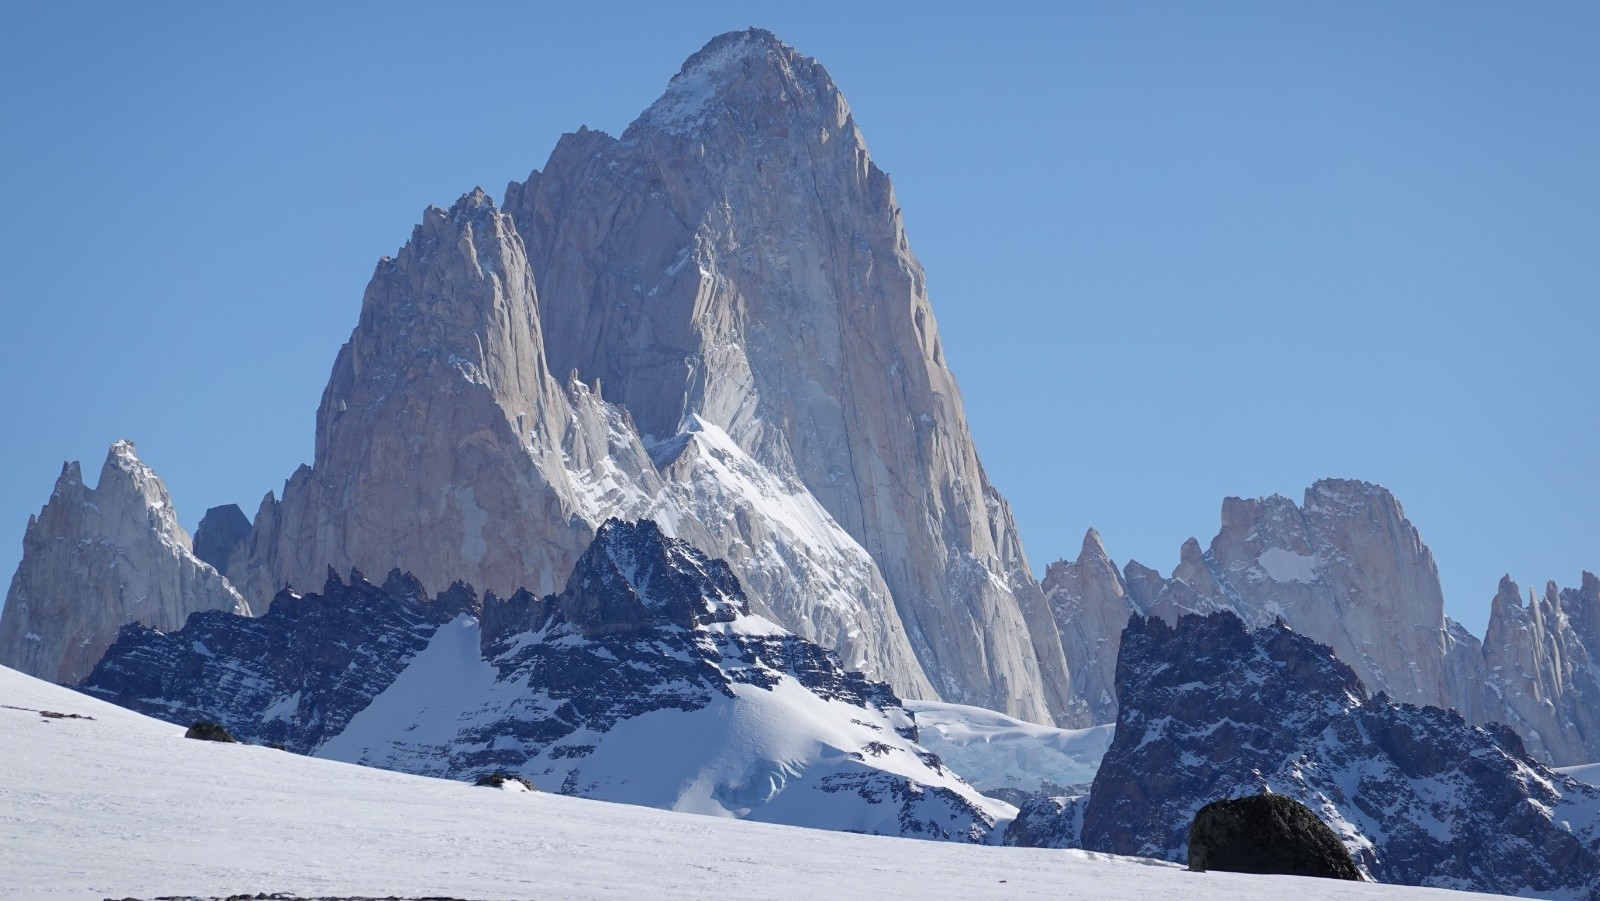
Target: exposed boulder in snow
(505,783)
(647,680)
(1266,833)
(97,558)
(206,730)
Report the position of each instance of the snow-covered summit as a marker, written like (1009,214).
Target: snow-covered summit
(739,69)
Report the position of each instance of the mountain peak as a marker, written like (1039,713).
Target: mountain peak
(1093,547)
(739,69)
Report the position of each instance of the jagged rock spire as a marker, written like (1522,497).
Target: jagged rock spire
(97,558)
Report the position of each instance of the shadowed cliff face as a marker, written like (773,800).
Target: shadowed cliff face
(736,257)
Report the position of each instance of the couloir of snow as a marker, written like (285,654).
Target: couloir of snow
(994,751)
(123,805)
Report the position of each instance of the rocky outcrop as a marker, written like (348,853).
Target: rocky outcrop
(293,676)
(1348,569)
(647,680)
(1542,670)
(737,257)
(1266,834)
(1345,568)
(97,558)
(1211,710)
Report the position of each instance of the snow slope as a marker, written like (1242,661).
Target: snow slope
(1585,772)
(993,751)
(646,681)
(123,805)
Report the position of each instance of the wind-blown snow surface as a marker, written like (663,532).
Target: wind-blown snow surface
(993,751)
(1587,772)
(124,805)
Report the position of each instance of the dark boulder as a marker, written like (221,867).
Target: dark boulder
(1266,833)
(205,730)
(499,780)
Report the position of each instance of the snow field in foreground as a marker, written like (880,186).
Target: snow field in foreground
(124,805)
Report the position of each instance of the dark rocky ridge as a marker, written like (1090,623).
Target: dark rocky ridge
(646,629)
(1210,710)
(294,676)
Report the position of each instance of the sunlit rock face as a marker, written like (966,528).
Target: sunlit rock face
(1345,567)
(1541,660)
(737,258)
(97,558)
(444,445)
(447,446)
(1090,602)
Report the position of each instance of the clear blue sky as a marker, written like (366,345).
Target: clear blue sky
(1177,251)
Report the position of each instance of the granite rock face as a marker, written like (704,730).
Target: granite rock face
(753,363)
(1543,668)
(97,558)
(1090,603)
(736,257)
(1345,568)
(646,680)
(1348,569)
(444,445)
(1211,710)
